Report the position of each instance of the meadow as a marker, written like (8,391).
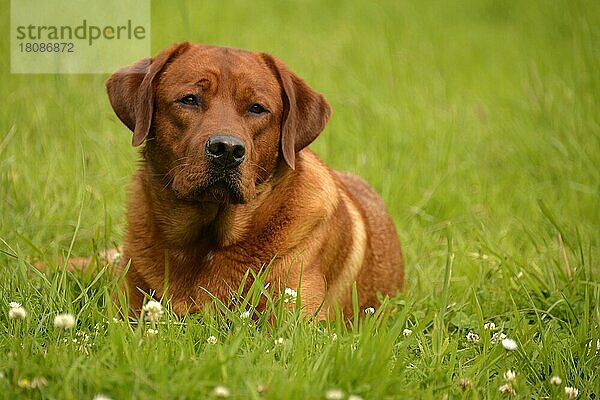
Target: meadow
(478,121)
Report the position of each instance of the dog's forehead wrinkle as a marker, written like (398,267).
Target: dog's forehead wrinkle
(190,77)
(235,73)
(243,67)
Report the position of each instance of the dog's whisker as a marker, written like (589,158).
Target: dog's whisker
(259,167)
(168,183)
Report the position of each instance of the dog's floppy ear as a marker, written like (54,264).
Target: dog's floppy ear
(305,112)
(131,91)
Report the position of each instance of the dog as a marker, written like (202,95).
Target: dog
(226,184)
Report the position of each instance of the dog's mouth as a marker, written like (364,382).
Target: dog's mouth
(222,189)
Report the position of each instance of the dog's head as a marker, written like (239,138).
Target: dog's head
(216,121)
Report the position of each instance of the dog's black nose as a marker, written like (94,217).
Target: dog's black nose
(226,150)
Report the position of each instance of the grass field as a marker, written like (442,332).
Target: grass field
(477,121)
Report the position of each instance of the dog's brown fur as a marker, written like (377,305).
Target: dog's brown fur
(322,228)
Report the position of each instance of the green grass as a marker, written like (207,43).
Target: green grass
(477,121)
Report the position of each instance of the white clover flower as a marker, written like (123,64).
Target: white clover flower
(64,321)
(489,326)
(333,337)
(289,295)
(571,392)
(100,396)
(407,332)
(507,389)
(354,397)
(17,313)
(38,382)
(369,310)
(153,310)
(262,388)
(334,394)
(509,344)
(279,341)
(211,340)
(116,257)
(152,332)
(555,380)
(472,337)
(497,337)
(14,304)
(221,391)
(245,315)
(510,376)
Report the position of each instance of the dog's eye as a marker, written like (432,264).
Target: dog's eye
(256,109)
(189,100)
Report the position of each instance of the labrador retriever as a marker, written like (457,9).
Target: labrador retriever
(226,184)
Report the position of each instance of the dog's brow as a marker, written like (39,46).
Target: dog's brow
(251,86)
(203,82)
(254,92)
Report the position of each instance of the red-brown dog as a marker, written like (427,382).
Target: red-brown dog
(227,184)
